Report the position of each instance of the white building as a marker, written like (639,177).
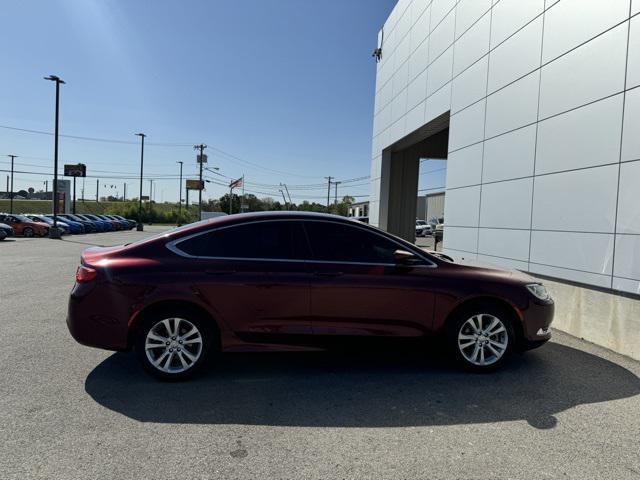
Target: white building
(535,104)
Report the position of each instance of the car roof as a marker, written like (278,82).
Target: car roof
(279,215)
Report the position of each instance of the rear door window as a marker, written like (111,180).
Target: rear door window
(277,240)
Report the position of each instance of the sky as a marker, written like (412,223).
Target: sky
(281,91)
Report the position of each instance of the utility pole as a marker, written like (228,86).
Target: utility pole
(139,227)
(97,190)
(288,194)
(335,200)
(284,199)
(74,195)
(46,186)
(180,192)
(328,191)
(83,189)
(54,232)
(11,191)
(124,196)
(200,147)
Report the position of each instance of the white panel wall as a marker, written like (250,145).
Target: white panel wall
(572,22)
(509,16)
(517,56)
(516,105)
(509,156)
(506,204)
(543,167)
(633,58)
(588,73)
(580,138)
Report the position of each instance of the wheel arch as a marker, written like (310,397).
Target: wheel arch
(486,300)
(170,304)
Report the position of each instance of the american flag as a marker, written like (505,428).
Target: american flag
(236,183)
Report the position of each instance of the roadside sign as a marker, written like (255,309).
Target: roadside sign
(203,157)
(78,170)
(195,185)
(145,198)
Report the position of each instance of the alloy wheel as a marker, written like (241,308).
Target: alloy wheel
(483,339)
(173,345)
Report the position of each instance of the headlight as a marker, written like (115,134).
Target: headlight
(539,291)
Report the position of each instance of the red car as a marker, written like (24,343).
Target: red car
(295,281)
(25,226)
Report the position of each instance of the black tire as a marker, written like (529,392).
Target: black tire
(3,235)
(459,327)
(188,319)
(27,232)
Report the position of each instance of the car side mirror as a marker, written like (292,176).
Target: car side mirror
(403,257)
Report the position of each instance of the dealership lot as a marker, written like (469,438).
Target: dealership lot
(567,410)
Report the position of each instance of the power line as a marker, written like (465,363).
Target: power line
(156,144)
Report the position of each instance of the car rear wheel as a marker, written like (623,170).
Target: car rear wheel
(173,346)
(3,235)
(481,339)
(27,232)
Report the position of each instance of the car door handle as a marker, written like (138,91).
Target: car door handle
(328,274)
(219,272)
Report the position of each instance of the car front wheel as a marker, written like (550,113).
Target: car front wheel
(27,232)
(481,339)
(173,346)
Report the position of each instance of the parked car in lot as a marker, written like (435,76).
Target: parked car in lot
(294,281)
(74,227)
(130,224)
(66,229)
(115,224)
(24,226)
(101,225)
(5,231)
(89,227)
(422,228)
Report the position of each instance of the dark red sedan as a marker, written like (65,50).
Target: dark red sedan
(295,281)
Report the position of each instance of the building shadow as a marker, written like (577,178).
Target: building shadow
(395,389)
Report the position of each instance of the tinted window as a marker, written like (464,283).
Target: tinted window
(279,240)
(344,243)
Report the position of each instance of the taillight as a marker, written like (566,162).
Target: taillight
(85,274)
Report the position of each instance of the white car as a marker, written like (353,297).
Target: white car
(422,228)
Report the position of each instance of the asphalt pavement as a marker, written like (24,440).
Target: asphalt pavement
(567,410)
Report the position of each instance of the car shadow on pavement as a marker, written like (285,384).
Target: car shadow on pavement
(394,389)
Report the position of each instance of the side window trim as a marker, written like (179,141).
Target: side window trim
(173,245)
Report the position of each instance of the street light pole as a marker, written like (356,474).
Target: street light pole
(11,191)
(54,232)
(139,227)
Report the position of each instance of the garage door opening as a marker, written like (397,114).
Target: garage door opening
(419,154)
